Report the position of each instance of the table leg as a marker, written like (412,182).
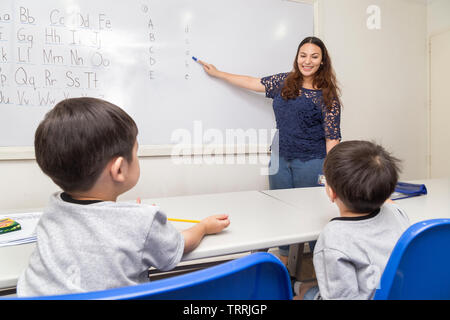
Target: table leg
(295,259)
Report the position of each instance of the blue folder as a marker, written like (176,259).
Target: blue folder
(406,190)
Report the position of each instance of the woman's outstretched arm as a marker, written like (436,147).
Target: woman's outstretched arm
(245,82)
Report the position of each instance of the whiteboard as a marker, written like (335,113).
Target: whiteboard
(137,54)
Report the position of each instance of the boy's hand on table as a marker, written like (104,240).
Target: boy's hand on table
(216,223)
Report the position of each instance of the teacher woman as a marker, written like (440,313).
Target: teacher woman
(307,110)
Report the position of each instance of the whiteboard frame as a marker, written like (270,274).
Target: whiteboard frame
(27,153)
(317,5)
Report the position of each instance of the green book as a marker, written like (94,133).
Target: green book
(9,225)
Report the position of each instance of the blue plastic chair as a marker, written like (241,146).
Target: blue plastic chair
(258,276)
(419,266)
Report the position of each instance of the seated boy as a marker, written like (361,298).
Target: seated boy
(353,249)
(87,241)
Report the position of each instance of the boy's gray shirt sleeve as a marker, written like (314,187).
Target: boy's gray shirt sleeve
(336,275)
(164,245)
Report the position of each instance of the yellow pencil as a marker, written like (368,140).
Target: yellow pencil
(183,220)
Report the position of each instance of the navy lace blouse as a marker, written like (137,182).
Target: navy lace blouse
(303,123)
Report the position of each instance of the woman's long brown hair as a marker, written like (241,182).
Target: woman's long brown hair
(324,79)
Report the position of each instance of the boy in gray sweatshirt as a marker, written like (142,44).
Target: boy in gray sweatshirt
(86,240)
(353,249)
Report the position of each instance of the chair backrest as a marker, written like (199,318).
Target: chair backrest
(419,266)
(258,276)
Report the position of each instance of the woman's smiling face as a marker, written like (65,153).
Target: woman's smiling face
(309,59)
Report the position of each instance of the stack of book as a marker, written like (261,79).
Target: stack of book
(24,228)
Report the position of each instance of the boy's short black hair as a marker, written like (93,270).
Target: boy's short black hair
(363,174)
(78,137)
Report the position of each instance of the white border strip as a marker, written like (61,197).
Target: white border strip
(317,14)
(27,153)
(17,153)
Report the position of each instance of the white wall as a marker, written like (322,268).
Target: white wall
(439,42)
(23,185)
(383,75)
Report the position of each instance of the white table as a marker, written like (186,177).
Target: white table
(435,205)
(13,261)
(315,209)
(259,220)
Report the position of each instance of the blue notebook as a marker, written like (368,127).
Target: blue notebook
(406,190)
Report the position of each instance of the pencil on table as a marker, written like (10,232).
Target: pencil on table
(183,220)
(138,200)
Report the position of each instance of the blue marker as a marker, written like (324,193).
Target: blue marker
(195,59)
